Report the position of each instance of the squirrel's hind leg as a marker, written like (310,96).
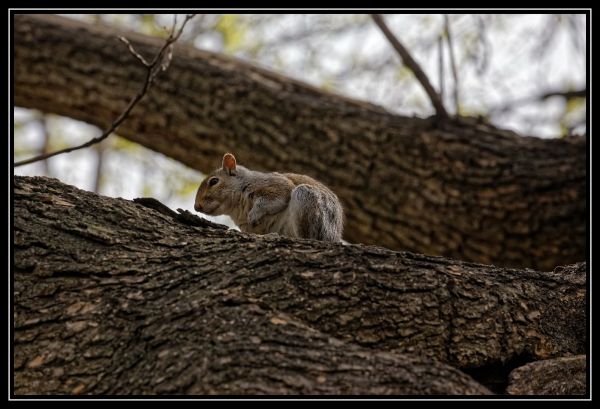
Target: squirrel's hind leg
(318,215)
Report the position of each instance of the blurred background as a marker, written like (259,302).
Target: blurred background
(526,73)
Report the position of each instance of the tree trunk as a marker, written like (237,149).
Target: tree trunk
(113,297)
(459,189)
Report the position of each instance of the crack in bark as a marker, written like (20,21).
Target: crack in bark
(219,299)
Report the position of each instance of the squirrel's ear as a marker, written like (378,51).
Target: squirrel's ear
(229,164)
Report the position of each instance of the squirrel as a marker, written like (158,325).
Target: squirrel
(285,203)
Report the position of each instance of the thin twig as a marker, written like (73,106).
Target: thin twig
(46,137)
(441,66)
(135,53)
(160,63)
(452,62)
(99,148)
(580,93)
(567,95)
(413,65)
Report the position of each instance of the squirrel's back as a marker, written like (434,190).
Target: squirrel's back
(317,211)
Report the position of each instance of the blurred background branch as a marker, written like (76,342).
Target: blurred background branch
(522,72)
(159,63)
(410,62)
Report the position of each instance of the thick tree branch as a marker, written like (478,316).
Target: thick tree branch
(132,314)
(159,63)
(413,65)
(108,269)
(468,191)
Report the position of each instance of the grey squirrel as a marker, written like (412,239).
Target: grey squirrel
(285,203)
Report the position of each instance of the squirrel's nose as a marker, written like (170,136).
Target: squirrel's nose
(197,207)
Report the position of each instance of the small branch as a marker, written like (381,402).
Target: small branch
(99,166)
(413,65)
(567,95)
(46,138)
(135,53)
(581,93)
(441,66)
(452,62)
(160,63)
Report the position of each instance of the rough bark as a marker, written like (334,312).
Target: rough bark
(113,297)
(461,189)
(560,376)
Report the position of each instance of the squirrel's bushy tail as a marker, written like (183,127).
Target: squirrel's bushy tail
(319,214)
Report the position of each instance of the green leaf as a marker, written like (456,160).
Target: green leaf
(233,30)
(574,104)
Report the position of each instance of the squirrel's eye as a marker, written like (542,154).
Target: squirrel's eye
(213,181)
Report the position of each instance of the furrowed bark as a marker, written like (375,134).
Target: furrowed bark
(118,340)
(559,376)
(461,189)
(113,297)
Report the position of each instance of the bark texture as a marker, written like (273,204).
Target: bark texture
(459,189)
(560,376)
(113,297)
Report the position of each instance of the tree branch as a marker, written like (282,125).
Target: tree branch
(567,95)
(46,137)
(413,65)
(422,193)
(452,63)
(116,324)
(580,93)
(138,280)
(441,65)
(160,63)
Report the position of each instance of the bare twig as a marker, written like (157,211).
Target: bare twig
(46,137)
(580,93)
(135,53)
(160,63)
(441,66)
(99,166)
(481,56)
(452,62)
(413,65)
(567,95)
